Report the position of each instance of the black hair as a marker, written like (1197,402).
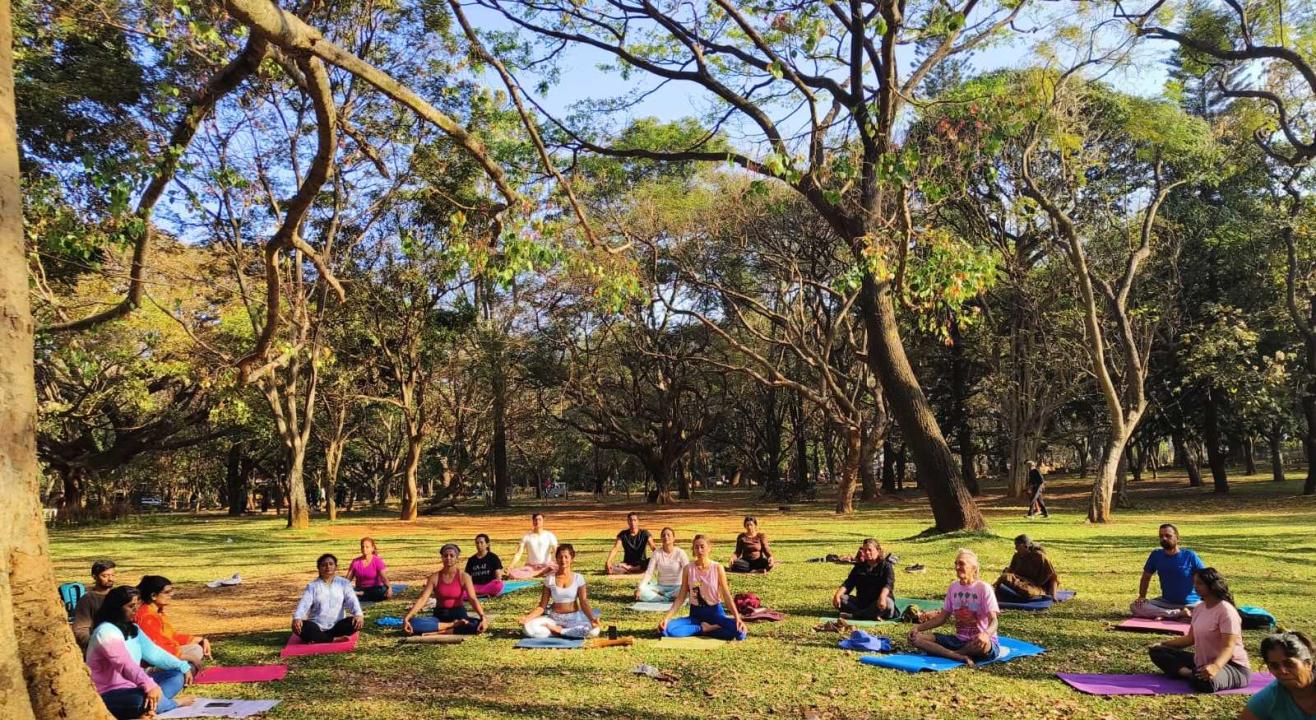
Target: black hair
(750,519)
(536,515)
(482,535)
(111,610)
(328,556)
(1027,542)
(1171,526)
(565,547)
(101,566)
(1294,644)
(152,585)
(630,515)
(1215,582)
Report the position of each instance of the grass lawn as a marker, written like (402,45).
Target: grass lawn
(1261,537)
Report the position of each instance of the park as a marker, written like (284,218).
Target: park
(405,358)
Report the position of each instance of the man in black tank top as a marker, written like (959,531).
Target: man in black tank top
(634,544)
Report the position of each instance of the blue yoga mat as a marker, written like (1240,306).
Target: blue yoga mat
(389,621)
(550,643)
(1042,603)
(512,586)
(1010,650)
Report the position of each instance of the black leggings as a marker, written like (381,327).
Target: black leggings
(377,593)
(741,565)
(1172,660)
(868,612)
(313,633)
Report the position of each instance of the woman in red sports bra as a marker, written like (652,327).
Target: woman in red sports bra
(451,589)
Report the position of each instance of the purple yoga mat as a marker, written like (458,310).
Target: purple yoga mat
(296,646)
(1149,685)
(241,674)
(1166,627)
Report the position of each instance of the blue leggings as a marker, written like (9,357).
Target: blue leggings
(447,615)
(713,614)
(130,703)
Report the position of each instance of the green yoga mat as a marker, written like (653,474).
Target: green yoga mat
(923,605)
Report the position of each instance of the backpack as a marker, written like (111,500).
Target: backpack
(1255,618)
(745,602)
(69,594)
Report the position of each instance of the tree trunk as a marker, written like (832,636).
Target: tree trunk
(235,480)
(502,476)
(299,512)
(900,468)
(1022,449)
(959,390)
(1184,457)
(801,443)
(1081,450)
(888,467)
(410,492)
(1276,440)
(1211,434)
(1250,454)
(682,481)
(850,472)
(73,481)
(1103,486)
(868,465)
(333,462)
(953,507)
(661,474)
(1122,480)
(41,669)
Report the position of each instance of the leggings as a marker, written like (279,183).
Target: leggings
(1158,609)
(377,593)
(868,612)
(447,615)
(493,588)
(1172,660)
(712,614)
(313,633)
(742,565)
(130,703)
(657,592)
(573,624)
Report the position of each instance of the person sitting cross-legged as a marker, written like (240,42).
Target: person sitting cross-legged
(157,594)
(1030,576)
(102,576)
(662,579)
(1217,660)
(452,588)
(539,547)
(868,592)
(329,610)
(563,609)
(971,603)
(116,651)
(704,583)
(485,569)
(1173,566)
(634,545)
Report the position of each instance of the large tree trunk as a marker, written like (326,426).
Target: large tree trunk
(1276,440)
(1215,457)
(41,669)
(661,474)
(953,507)
(682,481)
(888,467)
(850,472)
(869,449)
(410,491)
(1022,449)
(73,482)
(235,480)
(299,511)
(333,462)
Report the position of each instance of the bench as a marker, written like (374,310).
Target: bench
(49,515)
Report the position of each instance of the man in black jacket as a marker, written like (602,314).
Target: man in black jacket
(1035,484)
(868,593)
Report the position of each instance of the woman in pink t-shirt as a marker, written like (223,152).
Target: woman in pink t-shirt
(1218,660)
(971,603)
(367,572)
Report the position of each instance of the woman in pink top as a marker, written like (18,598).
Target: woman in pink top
(704,582)
(1218,660)
(367,572)
(452,589)
(971,603)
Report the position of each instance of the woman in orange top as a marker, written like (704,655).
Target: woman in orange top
(157,592)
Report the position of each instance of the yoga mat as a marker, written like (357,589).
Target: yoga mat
(691,643)
(207,707)
(512,586)
(241,674)
(296,646)
(550,643)
(1038,605)
(650,607)
(1010,650)
(1150,685)
(1165,627)
(398,589)
(923,605)
(859,623)
(389,621)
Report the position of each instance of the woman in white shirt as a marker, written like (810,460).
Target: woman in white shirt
(662,579)
(328,610)
(540,547)
(563,608)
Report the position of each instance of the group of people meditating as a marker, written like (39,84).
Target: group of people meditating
(125,627)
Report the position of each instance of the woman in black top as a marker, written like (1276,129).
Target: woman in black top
(485,569)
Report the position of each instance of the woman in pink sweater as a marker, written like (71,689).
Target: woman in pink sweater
(115,653)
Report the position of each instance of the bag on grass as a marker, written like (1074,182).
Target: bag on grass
(745,602)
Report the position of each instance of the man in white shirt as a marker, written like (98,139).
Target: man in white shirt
(540,546)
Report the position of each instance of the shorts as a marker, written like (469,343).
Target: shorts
(956,643)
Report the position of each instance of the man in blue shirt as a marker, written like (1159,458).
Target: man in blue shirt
(1174,567)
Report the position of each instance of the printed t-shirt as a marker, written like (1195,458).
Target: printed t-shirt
(971,606)
(1210,626)
(635,548)
(481,569)
(1176,574)
(367,575)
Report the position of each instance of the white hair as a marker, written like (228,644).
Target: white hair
(969,555)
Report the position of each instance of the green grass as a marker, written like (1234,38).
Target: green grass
(1260,537)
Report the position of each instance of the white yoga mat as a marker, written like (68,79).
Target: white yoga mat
(209,707)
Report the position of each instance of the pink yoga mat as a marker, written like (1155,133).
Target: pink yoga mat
(1167,627)
(295,646)
(1150,685)
(241,674)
